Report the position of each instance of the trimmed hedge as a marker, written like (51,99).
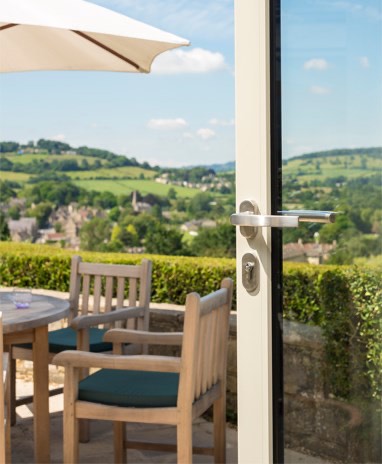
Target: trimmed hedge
(346,302)
(48,267)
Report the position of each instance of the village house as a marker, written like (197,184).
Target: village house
(312,253)
(23,230)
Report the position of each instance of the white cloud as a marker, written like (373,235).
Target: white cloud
(221,122)
(319,90)
(188,135)
(58,137)
(167,124)
(205,133)
(195,61)
(318,64)
(364,62)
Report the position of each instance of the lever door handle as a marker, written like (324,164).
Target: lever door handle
(249,218)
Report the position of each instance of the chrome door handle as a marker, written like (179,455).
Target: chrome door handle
(249,218)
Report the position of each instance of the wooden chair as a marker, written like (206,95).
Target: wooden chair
(97,302)
(5,435)
(155,389)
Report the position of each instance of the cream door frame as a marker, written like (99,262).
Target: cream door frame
(253,182)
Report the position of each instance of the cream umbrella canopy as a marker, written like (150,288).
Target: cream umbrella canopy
(40,35)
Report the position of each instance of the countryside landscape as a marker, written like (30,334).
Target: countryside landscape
(92,199)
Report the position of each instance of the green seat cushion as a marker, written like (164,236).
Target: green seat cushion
(136,389)
(66,339)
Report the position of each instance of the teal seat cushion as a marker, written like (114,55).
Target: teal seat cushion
(66,339)
(135,389)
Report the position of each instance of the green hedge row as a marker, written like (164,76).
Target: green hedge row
(48,267)
(346,302)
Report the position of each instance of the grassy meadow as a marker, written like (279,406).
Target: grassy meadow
(132,172)
(28,158)
(331,167)
(126,186)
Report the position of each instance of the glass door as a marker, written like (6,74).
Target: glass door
(331,133)
(308,136)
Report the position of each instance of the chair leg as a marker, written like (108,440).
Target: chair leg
(71,426)
(8,442)
(12,389)
(219,414)
(71,447)
(120,452)
(184,441)
(84,430)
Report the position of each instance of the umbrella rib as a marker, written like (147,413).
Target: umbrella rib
(7,26)
(110,50)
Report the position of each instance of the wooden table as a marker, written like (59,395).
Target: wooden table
(31,326)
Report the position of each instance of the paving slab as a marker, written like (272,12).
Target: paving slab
(100,448)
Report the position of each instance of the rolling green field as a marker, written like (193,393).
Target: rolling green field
(123,172)
(126,186)
(333,166)
(20,177)
(28,158)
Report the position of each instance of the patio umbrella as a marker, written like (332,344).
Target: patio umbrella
(76,35)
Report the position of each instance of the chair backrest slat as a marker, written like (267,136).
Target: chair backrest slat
(97,294)
(132,292)
(98,287)
(205,343)
(85,294)
(216,347)
(108,293)
(199,358)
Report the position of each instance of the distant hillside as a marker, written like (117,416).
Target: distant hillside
(337,165)
(60,149)
(224,167)
(373,152)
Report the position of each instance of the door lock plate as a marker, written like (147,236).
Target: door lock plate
(250,272)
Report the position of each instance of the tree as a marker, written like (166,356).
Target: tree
(58,193)
(127,236)
(219,241)
(200,204)
(105,200)
(114,214)
(41,212)
(14,212)
(4,230)
(95,234)
(6,191)
(171,194)
(164,240)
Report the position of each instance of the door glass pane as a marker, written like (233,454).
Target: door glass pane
(331,68)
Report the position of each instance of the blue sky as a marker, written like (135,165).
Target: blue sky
(331,75)
(183,113)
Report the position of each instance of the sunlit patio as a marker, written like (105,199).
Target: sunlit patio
(100,447)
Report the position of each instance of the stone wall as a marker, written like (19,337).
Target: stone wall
(315,422)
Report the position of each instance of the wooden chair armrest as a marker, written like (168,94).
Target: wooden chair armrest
(89,320)
(81,359)
(140,336)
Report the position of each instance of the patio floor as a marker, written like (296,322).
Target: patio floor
(99,449)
